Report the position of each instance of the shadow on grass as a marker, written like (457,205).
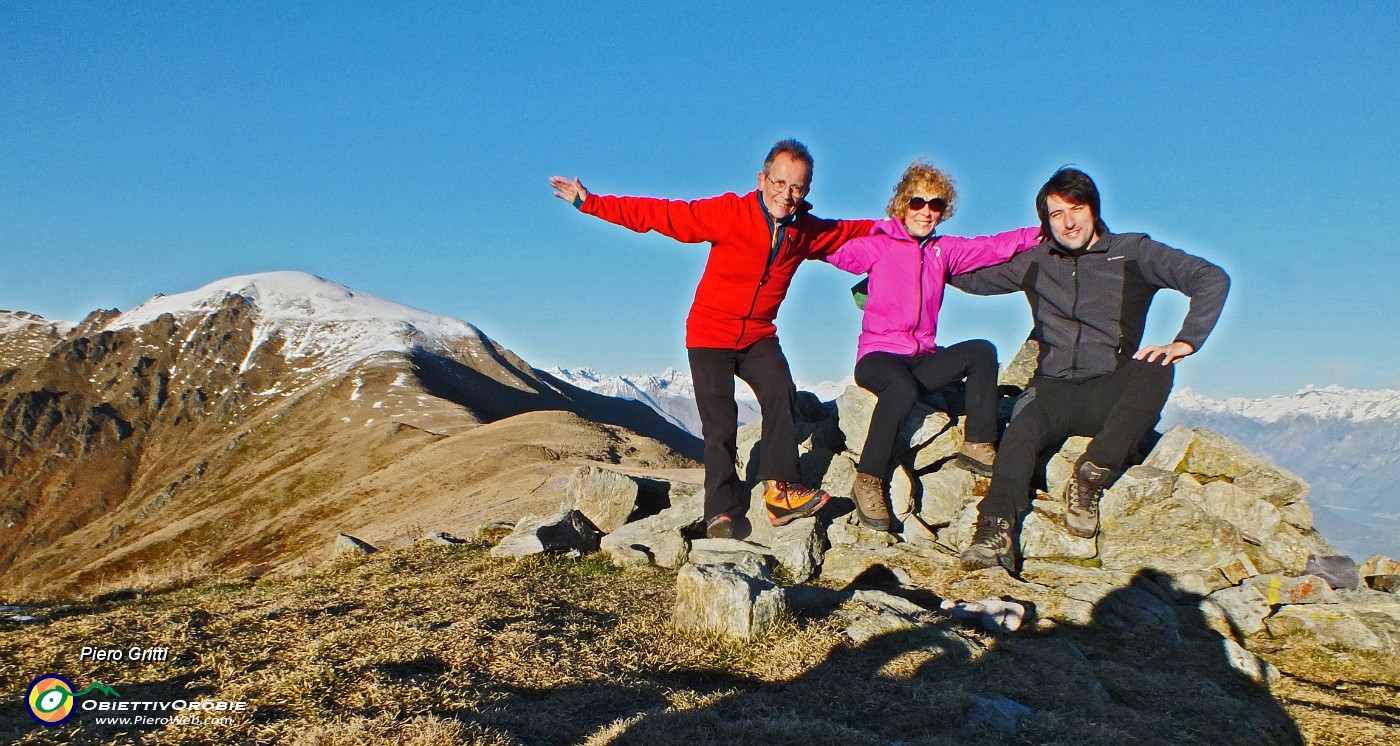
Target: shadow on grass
(1145,669)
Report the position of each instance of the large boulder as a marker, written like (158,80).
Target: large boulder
(606,498)
(1215,457)
(943,494)
(748,558)
(1256,519)
(1043,535)
(819,439)
(721,599)
(1146,525)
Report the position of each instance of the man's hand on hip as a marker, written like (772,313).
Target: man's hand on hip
(1170,354)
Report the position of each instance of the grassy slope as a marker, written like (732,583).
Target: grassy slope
(435,646)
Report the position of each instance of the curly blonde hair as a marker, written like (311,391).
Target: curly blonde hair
(923,178)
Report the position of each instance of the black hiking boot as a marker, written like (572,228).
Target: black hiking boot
(720,527)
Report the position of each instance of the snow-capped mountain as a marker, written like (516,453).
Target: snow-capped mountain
(1344,442)
(672,393)
(241,423)
(313,317)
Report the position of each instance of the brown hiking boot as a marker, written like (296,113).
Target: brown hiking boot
(1082,495)
(991,545)
(977,458)
(870,502)
(788,501)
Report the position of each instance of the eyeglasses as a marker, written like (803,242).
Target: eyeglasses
(783,187)
(937,204)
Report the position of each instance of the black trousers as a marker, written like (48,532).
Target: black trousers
(896,381)
(763,366)
(1116,410)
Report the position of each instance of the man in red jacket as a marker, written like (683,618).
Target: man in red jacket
(757,242)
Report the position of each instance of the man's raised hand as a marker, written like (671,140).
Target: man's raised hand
(569,190)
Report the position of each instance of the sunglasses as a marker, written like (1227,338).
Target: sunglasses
(937,204)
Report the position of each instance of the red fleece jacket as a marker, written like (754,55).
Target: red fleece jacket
(744,282)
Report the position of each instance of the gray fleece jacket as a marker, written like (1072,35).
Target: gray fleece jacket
(1089,309)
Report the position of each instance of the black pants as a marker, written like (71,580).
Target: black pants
(1116,410)
(896,381)
(763,366)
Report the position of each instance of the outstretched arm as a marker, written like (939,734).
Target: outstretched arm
(968,254)
(687,222)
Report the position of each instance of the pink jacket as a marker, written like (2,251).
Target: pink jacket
(906,280)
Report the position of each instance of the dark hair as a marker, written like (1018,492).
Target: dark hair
(793,148)
(1071,185)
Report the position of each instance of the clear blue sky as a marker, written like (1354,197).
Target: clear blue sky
(155,147)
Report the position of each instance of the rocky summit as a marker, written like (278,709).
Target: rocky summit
(1199,531)
(232,429)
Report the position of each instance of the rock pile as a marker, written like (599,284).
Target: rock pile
(1201,528)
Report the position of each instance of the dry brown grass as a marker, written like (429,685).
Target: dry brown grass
(430,646)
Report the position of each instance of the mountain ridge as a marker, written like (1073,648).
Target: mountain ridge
(235,424)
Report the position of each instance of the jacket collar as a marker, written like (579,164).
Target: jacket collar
(1098,247)
(802,209)
(896,229)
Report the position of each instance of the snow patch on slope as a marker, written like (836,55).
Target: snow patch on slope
(14,321)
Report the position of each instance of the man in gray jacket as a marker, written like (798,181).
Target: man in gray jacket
(1089,292)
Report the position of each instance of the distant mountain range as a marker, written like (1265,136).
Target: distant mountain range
(672,394)
(1344,442)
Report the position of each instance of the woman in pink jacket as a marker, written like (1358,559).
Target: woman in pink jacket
(908,266)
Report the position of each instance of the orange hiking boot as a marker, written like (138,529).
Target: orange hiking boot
(788,501)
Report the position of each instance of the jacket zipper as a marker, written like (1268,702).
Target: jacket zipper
(773,248)
(1078,325)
